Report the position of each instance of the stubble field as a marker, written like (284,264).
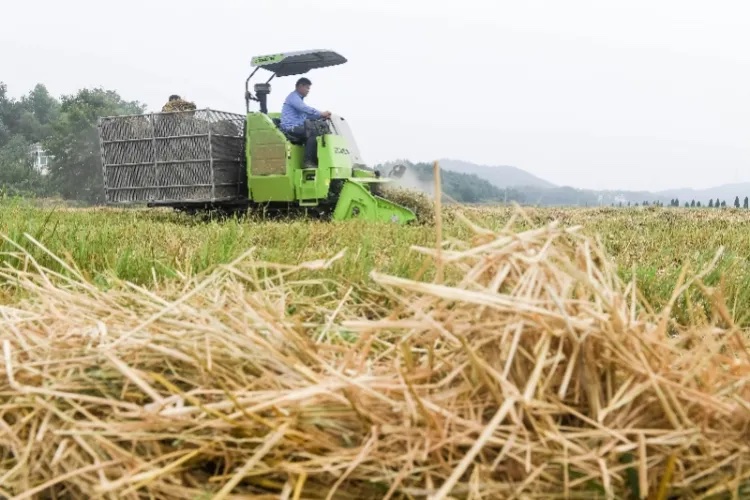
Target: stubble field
(155,246)
(150,353)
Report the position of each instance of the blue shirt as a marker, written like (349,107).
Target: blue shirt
(295,111)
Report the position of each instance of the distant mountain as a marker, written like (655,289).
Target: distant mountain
(501,176)
(471,183)
(458,186)
(570,196)
(725,192)
(536,191)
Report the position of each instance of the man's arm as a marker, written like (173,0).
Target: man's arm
(296,102)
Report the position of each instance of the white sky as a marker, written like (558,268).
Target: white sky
(600,94)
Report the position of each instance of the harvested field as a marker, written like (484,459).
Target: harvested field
(516,362)
(153,248)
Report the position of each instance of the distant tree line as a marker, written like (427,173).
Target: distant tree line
(64,129)
(718,203)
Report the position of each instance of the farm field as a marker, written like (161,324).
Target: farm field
(155,353)
(153,246)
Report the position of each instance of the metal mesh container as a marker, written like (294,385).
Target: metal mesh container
(171,158)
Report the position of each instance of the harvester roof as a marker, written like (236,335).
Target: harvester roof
(297,63)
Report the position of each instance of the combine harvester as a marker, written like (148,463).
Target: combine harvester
(211,160)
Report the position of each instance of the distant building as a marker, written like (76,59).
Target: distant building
(620,199)
(40,159)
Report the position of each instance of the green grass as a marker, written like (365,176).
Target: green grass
(139,245)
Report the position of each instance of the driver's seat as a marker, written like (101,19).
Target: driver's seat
(294,139)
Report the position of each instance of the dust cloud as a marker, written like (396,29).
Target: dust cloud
(410,179)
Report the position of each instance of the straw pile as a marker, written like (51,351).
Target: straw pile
(534,373)
(178,105)
(416,201)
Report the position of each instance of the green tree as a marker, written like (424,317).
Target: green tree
(77,168)
(737,202)
(711,202)
(41,104)
(29,117)
(35,113)
(15,161)
(17,174)
(7,116)
(20,127)
(745,204)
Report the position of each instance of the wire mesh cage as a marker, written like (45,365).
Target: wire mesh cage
(179,157)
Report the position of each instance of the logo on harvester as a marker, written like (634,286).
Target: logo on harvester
(341,151)
(259,60)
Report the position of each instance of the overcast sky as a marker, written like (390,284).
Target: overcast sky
(600,94)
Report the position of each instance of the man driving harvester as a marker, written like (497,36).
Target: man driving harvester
(294,115)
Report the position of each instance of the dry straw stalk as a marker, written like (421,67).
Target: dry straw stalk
(535,373)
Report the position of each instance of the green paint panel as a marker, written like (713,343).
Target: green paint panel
(312,184)
(307,183)
(272,188)
(267,151)
(333,154)
(359,173)
(357,202)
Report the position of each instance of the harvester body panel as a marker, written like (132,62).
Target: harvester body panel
(269,172)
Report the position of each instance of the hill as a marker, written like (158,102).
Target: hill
(467,182)
(570,196)
(532,190)
(501,176)
(461,187)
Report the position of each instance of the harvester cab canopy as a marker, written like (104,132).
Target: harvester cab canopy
(297,63)
(287,64)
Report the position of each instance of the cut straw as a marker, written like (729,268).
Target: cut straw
(526,368)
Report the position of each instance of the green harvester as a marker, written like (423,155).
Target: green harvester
(207,160)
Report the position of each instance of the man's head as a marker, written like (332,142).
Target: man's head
(303,86)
